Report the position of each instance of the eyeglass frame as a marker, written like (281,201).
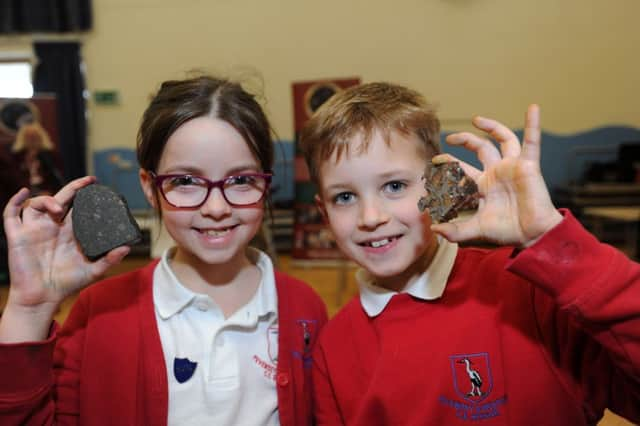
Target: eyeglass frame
(158,179)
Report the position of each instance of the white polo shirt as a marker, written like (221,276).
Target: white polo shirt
(428,286)
(220,372)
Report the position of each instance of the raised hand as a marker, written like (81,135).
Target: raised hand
(45,261)
(515,207)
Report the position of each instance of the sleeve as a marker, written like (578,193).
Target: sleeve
(26,382)
(39,381)
(325,407)
(67,364)
(599,288)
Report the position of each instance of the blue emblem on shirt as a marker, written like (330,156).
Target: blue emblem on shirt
(183,369)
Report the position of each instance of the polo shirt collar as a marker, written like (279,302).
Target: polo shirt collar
(171,297)
(429,285)
(265,301)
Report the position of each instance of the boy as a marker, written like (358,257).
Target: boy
(544,333)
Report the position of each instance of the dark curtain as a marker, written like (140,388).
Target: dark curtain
(48,16)
(59,71)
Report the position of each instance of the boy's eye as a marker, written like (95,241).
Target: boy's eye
(343,198)
(394,186)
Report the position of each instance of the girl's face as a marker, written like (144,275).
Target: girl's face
(215,233)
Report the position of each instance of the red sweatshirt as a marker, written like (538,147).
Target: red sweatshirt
(108,364)
(549,337)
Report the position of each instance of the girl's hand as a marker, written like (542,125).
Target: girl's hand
(515,207)
(45,261)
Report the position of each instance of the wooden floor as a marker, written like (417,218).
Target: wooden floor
(334,282)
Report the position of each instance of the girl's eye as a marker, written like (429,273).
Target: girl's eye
(343,198)
(240,180)
(185,180)
(394,186)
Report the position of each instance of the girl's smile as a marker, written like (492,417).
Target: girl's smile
(214,233)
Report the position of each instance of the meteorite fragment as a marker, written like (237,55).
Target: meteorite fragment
(449,191)
(102,221)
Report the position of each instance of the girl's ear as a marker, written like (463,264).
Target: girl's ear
(146,182)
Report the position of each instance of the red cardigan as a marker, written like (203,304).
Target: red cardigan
(551,337)
(108,364)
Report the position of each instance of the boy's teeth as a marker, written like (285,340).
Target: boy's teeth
(380,243)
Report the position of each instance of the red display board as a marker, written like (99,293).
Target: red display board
(312,239)
(15,113)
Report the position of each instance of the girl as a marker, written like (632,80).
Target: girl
(209,334)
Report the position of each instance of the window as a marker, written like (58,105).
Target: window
(15,78)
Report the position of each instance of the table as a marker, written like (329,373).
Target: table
(629,216)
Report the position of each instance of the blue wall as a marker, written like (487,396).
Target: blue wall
(565,158)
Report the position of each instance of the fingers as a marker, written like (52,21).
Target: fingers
(112,258)
(13,207)
(485,150)
(44,204)
(66,194)
(507,140)
(20,207)
(531,139)
(463,230)
(468,169)
(509,145)
(58,204)
(12,211)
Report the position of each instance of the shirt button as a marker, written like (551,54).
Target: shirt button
(282,379)
(202,305)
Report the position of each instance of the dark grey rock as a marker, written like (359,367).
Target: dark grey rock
(102,221)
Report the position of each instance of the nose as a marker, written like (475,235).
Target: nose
(372,214)
(215,205)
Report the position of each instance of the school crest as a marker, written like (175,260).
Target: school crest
(272,343)
(183,369)
(472,376)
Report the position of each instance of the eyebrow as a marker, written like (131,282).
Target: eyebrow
(336,187)
(190,170)
(383,176)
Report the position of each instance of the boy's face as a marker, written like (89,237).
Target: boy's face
(369,200)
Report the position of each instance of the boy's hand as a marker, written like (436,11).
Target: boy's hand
(515,207)
(45,261)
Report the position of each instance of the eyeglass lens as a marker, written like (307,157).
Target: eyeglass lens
(189,191)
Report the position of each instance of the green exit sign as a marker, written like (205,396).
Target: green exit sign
(106,97)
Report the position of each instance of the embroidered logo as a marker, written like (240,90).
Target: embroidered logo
(272,343)
(268,370)
(183,369)
(307,330)
(473,382)
(472,376)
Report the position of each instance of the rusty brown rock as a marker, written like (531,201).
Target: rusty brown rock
(449,191)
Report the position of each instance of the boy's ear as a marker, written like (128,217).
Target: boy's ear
(148,188)
(321,208)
